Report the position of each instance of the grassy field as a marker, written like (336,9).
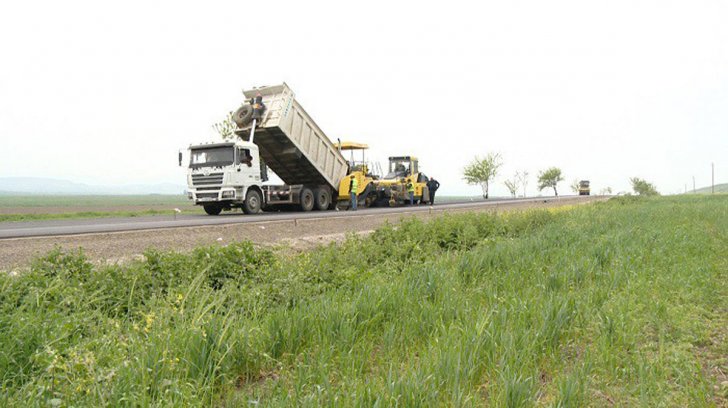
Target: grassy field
(55,207)
(49,207)
(41,201)
(618,303)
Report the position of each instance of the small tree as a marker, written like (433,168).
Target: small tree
(605,191)
(226,127)
(643,187)
(512,185)
(522,178)
(550,178)
(483,171)
(574,186)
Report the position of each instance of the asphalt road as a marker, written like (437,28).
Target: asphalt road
(10,230)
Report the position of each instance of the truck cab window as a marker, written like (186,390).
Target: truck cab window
(245,157)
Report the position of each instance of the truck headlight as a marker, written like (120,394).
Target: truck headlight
(228,194)
(189,196)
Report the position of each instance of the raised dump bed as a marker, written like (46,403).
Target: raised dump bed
(291,143)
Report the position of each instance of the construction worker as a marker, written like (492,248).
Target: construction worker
(353,190)
(258,106)
(411,191)
(432,186)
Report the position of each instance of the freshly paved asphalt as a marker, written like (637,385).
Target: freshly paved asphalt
(10,230)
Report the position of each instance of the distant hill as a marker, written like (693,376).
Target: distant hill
(37,185)
(719,188)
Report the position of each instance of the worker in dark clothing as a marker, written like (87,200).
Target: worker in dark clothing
(432,186)
(258,106)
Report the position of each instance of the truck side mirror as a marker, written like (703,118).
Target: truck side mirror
(179,157)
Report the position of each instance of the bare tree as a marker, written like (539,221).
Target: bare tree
(522,177)
(574,186)
(512,186)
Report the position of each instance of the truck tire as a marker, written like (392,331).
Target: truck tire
(307,199)
(322,199)
(243,115)
(253,202)
(212,209)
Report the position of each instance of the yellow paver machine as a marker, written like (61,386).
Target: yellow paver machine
(359,169)
(393,188)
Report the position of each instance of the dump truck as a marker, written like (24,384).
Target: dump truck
(273,131)
(584,187)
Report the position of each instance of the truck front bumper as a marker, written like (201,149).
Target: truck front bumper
(211,196)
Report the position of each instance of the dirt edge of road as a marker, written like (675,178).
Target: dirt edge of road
(302,234)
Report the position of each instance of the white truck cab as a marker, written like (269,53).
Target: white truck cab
(223,175)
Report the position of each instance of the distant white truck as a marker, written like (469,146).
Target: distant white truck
(230,174)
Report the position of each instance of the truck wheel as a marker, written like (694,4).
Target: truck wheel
(322,199)
(213,209)
(307,199)
(253,202)
(243,115)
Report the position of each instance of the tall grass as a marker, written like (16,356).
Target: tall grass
(612,303)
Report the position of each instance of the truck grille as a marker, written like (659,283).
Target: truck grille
(207,195)
(214,179)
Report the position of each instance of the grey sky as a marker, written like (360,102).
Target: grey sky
(107,92)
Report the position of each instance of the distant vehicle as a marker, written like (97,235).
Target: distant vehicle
(584,188)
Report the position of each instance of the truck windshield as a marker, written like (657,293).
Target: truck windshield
(211,156)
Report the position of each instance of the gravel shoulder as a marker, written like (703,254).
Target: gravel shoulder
(302,234)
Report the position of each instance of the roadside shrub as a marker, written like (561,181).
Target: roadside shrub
(61,263)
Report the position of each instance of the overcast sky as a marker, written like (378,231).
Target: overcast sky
(107,92)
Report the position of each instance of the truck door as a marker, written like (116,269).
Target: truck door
(247,170)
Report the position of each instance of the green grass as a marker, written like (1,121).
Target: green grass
(90,214)
(618,303)
(55,207)
(7,201)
